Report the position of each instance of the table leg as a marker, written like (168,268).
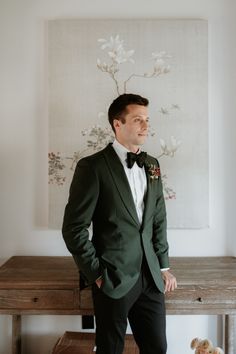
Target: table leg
(229,334)
(16,334)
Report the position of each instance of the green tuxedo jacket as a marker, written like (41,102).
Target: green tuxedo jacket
(100,194)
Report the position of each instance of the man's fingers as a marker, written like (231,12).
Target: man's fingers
(169,280)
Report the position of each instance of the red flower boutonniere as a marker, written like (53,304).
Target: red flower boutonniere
(154,171)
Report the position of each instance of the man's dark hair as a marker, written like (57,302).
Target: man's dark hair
(118,107)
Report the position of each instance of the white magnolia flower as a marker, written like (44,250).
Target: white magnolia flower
(116,50)
(160,66)
(114,43)
(160,55)
(104,66)
(174,145)
(122,56)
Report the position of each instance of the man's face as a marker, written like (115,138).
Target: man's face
(134,131)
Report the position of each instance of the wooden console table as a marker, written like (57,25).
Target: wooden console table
(50,285)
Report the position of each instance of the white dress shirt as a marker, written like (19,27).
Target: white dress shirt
(136,177)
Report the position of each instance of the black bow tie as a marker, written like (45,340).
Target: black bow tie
(139,158)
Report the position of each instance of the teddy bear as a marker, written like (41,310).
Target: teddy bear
(205,347)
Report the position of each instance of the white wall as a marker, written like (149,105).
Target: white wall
(23,147)
(229,122)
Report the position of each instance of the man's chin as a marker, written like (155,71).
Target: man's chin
(141,141)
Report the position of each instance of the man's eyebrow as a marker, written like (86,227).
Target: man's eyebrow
(140,116)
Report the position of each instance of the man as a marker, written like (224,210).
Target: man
(119,190)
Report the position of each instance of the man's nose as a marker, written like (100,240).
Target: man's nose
(145,125)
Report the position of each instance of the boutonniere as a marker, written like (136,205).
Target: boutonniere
(153,171)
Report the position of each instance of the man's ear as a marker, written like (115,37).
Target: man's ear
(116,123)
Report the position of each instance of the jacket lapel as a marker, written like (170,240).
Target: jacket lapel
(149,200)
(121,181)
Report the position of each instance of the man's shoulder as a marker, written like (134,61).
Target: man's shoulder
(96,157)
(151,160)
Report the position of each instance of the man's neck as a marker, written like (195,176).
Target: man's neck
(132,148)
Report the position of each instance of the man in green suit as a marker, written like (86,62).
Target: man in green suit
(119,191)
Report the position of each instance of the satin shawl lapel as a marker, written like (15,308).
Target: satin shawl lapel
(121,181)
(149,202)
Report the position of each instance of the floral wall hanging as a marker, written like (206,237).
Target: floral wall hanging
(90,62)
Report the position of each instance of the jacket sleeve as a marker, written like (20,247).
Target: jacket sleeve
(160,242)
(78,215)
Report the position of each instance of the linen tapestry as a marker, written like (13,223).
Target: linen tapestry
(91,62)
